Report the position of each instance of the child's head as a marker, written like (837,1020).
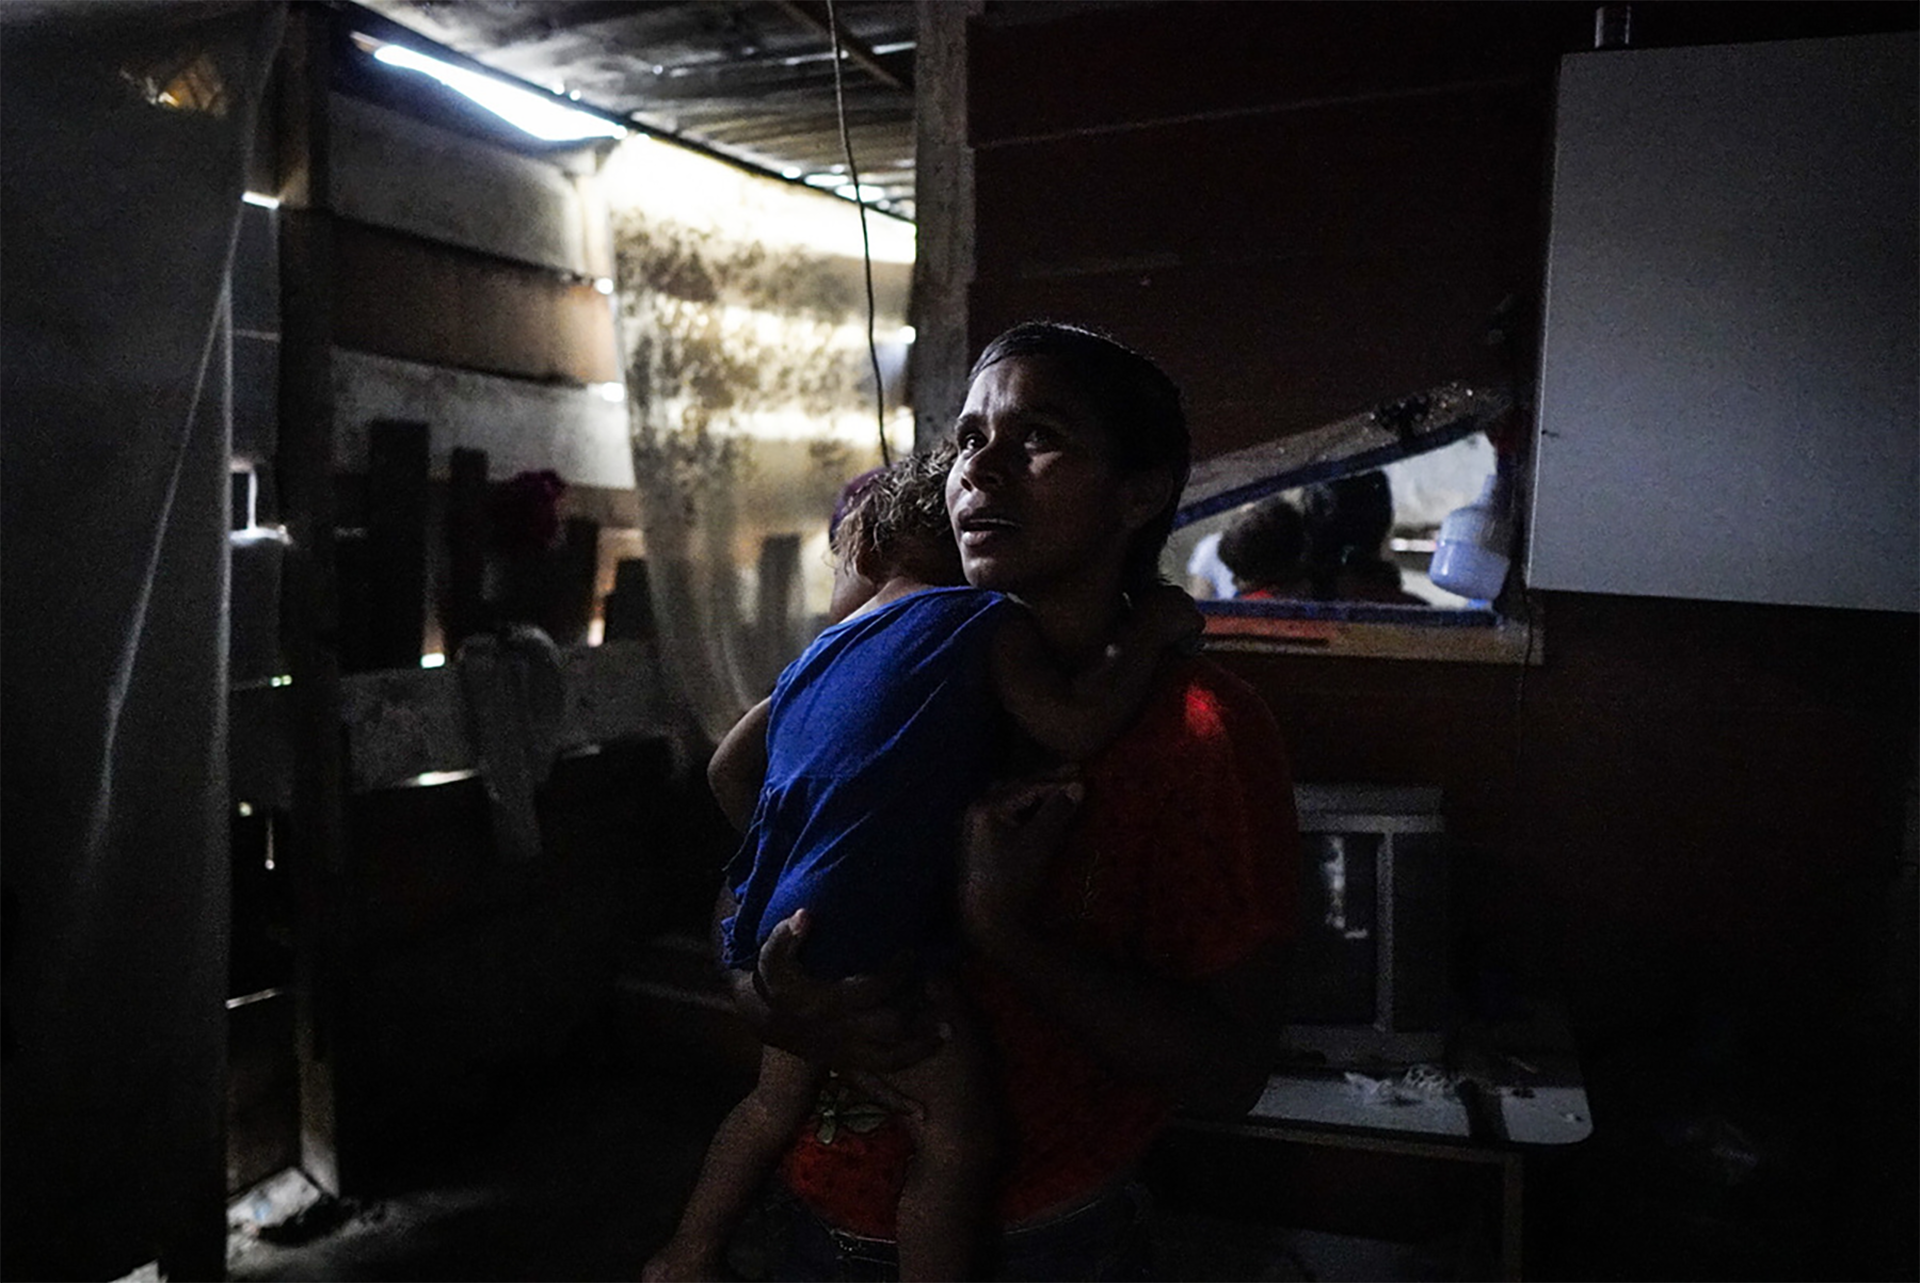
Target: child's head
(892,523)
(1262,547)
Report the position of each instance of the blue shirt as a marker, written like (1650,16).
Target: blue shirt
(878,736)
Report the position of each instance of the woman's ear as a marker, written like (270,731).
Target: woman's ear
(1143,495)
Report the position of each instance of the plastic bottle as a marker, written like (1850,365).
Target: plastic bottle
(1470,557)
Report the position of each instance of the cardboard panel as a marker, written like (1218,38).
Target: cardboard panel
(1727,398)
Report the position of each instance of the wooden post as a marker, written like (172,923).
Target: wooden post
(396,541)
(463,604)
(317,854)
(943,197)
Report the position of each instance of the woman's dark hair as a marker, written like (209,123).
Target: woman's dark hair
(1137,403)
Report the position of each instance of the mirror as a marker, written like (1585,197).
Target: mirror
(1338,525)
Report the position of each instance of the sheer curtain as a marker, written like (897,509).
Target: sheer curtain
(743,318)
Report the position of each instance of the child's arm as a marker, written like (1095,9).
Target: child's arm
(739,766)
(1075,715)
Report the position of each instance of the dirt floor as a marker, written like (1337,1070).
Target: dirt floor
(581,1176)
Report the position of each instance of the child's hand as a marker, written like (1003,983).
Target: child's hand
(1169,616)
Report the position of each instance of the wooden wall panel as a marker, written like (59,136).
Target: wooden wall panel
(1261,350)
(1144,62)
(1383,178)
(394,171)
(1702,780)
(1289,264)
(521,424)
(402,297)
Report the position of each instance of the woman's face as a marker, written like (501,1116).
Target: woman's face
(1036,502)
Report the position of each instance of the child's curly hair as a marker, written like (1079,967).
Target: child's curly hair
(898,518)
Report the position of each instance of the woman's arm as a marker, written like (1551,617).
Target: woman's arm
(1207,1044)
(860,1025)
(1074,715)
(739,766)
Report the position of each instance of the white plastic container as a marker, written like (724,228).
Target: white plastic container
(1470,557)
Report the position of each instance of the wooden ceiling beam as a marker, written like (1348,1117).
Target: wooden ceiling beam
(816,15)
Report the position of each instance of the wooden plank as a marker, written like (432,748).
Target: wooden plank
(397,542)
(1131,63)
(462,603)
(1455,174)
(404,723)
(419,300)
(396,172)
(1311,341)
(578,432)
(944,200)
(1505,643)
(304,455)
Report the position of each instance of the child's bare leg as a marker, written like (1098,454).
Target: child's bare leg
(745,1147)
(946,1204)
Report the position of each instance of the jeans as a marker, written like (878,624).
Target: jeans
(1105,1240)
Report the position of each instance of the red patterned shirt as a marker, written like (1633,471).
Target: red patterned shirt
(1181,863)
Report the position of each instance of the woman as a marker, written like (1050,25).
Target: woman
(1125,926)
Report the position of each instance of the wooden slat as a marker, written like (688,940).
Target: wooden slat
(1308,343)
(1131,63)
(403,723)
(417,300)
(1396,178)
(393,171)
(397,542)
(520,424)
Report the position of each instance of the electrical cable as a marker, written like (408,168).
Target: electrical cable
(866,246)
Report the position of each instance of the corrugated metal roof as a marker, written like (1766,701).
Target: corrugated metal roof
(751,80)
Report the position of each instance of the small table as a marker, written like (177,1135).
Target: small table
(1510,1087)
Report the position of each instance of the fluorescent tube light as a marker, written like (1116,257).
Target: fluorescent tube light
(544,116)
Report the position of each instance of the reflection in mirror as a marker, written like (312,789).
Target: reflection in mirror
(1325,539)
(1362,537)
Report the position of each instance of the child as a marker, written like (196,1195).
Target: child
(871,746)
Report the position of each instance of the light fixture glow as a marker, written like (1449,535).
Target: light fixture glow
(433,659)
(428,779)
(261,199)
(604,285)
(611,391)
(542,116)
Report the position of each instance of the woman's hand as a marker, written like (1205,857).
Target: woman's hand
(1007,840)
(859,1025)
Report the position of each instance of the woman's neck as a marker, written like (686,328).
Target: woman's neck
(1076,624)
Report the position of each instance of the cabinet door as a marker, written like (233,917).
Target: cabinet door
(1727,385)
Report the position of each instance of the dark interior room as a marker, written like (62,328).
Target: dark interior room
(420,424)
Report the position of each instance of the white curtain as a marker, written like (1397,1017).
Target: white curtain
(751,389)
(124,130)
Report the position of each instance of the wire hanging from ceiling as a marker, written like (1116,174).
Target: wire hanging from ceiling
(866,246)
